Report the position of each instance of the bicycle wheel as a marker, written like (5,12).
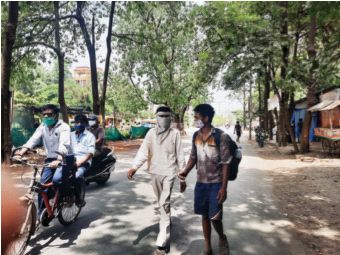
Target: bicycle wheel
(23,235)
(68,210)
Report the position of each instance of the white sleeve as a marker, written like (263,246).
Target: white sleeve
(143,152)
(179,152)
(64,139)
(35,138)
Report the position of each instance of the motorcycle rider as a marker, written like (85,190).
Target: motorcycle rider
(83,147)
(97,131)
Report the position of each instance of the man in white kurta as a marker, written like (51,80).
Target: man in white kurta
(162,149)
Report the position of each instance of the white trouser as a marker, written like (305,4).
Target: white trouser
(162,186)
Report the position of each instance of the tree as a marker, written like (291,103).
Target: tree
(90,45)
(161,53)
(316,68)
(39,32)
(124,98)
(107,61)
(6,60)
(61,66)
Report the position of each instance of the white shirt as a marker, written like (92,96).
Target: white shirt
(55,139)
(163,152)
(83,144)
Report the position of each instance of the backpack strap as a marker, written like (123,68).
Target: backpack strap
(217,133)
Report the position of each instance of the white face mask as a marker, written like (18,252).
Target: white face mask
(163,122)
(199,123)
(92,123)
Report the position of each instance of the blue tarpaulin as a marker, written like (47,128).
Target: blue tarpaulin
(300,113)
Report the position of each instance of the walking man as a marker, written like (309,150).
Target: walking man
(210,153)
(162,149)
(238,130)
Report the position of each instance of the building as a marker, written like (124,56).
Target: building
(82,75)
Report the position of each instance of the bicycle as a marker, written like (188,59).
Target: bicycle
(63,203)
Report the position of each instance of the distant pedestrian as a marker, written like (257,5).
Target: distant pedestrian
(238,130)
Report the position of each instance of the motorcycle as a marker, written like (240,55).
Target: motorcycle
(102,166)
(261,136)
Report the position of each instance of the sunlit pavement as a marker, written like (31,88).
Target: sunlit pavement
(119,218)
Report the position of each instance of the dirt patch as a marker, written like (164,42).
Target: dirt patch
(120,146)
(308,194)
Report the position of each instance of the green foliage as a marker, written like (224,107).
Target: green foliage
(124,98)
(160,52)
(220,120)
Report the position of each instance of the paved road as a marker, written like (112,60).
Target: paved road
(119,217)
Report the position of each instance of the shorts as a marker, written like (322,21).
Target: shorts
(238,133)
(206,203)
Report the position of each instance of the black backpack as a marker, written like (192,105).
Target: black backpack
(235,161)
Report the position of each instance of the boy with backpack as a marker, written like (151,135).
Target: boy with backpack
(212,153)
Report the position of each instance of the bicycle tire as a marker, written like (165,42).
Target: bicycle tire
(19,245)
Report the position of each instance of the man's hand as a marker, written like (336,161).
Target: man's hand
(183,186)
(131,173)
(17,157)
(182,175)
(222,195)
(78,163)
(54,164)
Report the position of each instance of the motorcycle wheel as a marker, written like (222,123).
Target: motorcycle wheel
(103,179)
(68,212)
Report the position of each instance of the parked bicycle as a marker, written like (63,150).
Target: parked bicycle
(60,205)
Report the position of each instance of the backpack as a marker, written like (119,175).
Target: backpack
(234,151)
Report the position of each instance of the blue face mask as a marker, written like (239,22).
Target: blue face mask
(80,127)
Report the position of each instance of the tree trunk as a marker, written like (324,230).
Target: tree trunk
(282,120)
(288,124)
(6,61)
(271,124)
(311,85)
(107,63)
(92,55)
(244,107)
(261,116)
(250,111)
(61,69)
(277,122)
(285,53)
(265,101)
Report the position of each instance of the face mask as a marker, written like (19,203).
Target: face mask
(92,123)
(164,123)
(199,123)
(49,121)
(79,127)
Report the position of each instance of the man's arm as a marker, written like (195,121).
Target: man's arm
(222,194)
(33,141)
(191,163)
(226,158)
(179,152)
(141,157)
(90,149)
(83,160)
(64,140)
(101,135)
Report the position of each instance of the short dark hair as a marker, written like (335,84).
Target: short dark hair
(205,110)
(52,107)
(81,118)
(163,109)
